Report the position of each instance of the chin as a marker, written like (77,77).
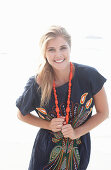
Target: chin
(62,65)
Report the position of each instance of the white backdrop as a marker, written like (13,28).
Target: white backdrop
(21,25)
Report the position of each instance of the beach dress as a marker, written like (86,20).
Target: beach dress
(51,151)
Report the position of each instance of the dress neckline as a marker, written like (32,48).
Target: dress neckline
(65,84)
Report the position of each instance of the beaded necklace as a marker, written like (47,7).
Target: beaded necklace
(69,95)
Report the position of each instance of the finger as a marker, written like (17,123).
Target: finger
(66,135)
(64,123)
(60,119)
(63,117)
(58,128)
(66,130)
(67,126)
(55,122)
(59,123)
(57,119)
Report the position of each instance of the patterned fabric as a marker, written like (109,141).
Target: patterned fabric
(51,150)
(65,155)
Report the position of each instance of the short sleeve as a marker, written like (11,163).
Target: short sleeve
(96,81)
(26,102)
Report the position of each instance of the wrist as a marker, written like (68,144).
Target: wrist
(49,125)
(76,133)
(45,124)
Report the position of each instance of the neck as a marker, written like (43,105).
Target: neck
(62,76)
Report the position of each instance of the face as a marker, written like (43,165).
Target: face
(58,53)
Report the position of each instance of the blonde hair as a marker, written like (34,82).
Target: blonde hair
(46,74)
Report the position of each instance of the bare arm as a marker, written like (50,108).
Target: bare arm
(102,113)
(33,120)
(55,124)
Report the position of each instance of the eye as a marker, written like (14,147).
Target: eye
(51,49)
(63,48)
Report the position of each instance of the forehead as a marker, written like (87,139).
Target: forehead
(58,41)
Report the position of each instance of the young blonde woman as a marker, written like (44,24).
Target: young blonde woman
(63,95)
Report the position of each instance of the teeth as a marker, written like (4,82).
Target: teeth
(59,61)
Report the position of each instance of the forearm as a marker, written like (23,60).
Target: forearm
(93,122)
(34,120)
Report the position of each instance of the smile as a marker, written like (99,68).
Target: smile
(59,61)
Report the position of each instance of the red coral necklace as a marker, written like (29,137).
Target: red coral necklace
(69,95)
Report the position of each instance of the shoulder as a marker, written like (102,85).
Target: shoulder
(85,71)
(89,76)
(32,82)
(84,68)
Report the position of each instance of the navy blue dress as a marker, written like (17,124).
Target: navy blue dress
(51,150)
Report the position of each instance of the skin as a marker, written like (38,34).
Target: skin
(58,49)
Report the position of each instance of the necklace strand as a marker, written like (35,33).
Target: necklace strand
(68,100)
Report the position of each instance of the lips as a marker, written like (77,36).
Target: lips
(59,61)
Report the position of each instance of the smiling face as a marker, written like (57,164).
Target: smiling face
(58,53)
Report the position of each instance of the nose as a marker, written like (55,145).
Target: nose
(58,54)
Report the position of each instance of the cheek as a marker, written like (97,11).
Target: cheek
(66,53)
(50,56)
(49,59)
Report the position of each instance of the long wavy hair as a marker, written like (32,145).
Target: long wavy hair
(46,74)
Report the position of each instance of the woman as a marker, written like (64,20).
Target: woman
(63,95)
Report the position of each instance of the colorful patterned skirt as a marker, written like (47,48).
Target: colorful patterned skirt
(51,151)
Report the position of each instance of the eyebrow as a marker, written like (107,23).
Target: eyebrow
(60,46)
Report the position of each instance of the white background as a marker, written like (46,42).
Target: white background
(21,26)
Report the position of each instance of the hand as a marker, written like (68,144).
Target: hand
(68,131)
(56,124)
